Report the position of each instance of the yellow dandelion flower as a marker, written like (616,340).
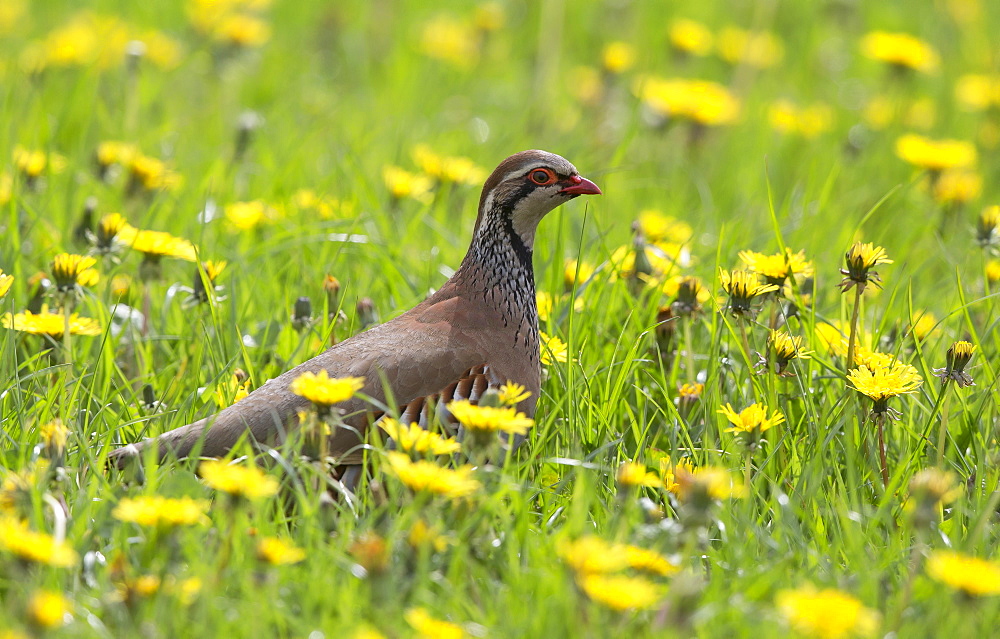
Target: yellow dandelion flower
(152,174)
(33,162)
(243,30)
(591,555)
(778,267)
(450,40)
(973,576)
(993,270)
(427,627)
(51,324)
(245,216)
(54,435)
(743,287)
(622,593)
(635,474)
(6,281)
(759,49)
(412,438)
(700,101)
(457,169)
(861,258)
(162,511)
(238,480)
(657,227)
(695,485)
(325,391)
(826,614)
(576,272)
(156,244)
(512,394)
(28,545)
(115,152)
(978,92)
(925,326)
(279,552)
(402,184)
(864,356)
(884,383)
(70,271)
(900,50)
(988,226)
(421,534)
(957,186)
(807,121)
(489,16)
(785,348)
(935,155)
(108,229)
(690,37)
(427,476)
(544,302)
(649,561)
(491,419)
(48,609)
(752,419)
(618,57)
(553,349)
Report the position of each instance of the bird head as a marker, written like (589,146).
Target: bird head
(525,187)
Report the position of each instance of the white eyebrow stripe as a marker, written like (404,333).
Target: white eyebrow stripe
(524,170)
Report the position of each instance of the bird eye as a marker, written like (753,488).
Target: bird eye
(542,176)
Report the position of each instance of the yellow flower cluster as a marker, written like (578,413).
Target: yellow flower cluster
(17,539)
(489,418)
(751,420)
(426,476)
(156,244)
(596,564)
(699,101)
(414,439)
(778,267)
(885,382)
(235,23)
(900,50)
(935,155)
(978,92)
(427,627)
(162,512)
(826,614)
(807,121)
(89,39)
(970,575)
(248,482)
(325,391)
(448,168)
(51,324)
(735,45)
(279,552)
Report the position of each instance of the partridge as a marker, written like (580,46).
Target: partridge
(480,329)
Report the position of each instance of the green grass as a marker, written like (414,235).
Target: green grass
(346,90)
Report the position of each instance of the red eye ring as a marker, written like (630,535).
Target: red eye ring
(542,177)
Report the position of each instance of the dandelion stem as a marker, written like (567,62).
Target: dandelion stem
(881,453)
(689,349)
(852,340)
(746,343)
(67,334)
(943,431)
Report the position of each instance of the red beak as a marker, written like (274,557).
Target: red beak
(577,185)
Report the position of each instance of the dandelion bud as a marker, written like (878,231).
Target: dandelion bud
(743,287)
(988,228)
(302,313)
(861,258)
(959,356)
(687,397)
(82,231)
(331,286)
(665,329)
(366,312)
(246,125)
(689,289)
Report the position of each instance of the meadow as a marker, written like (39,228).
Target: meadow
(769,406)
